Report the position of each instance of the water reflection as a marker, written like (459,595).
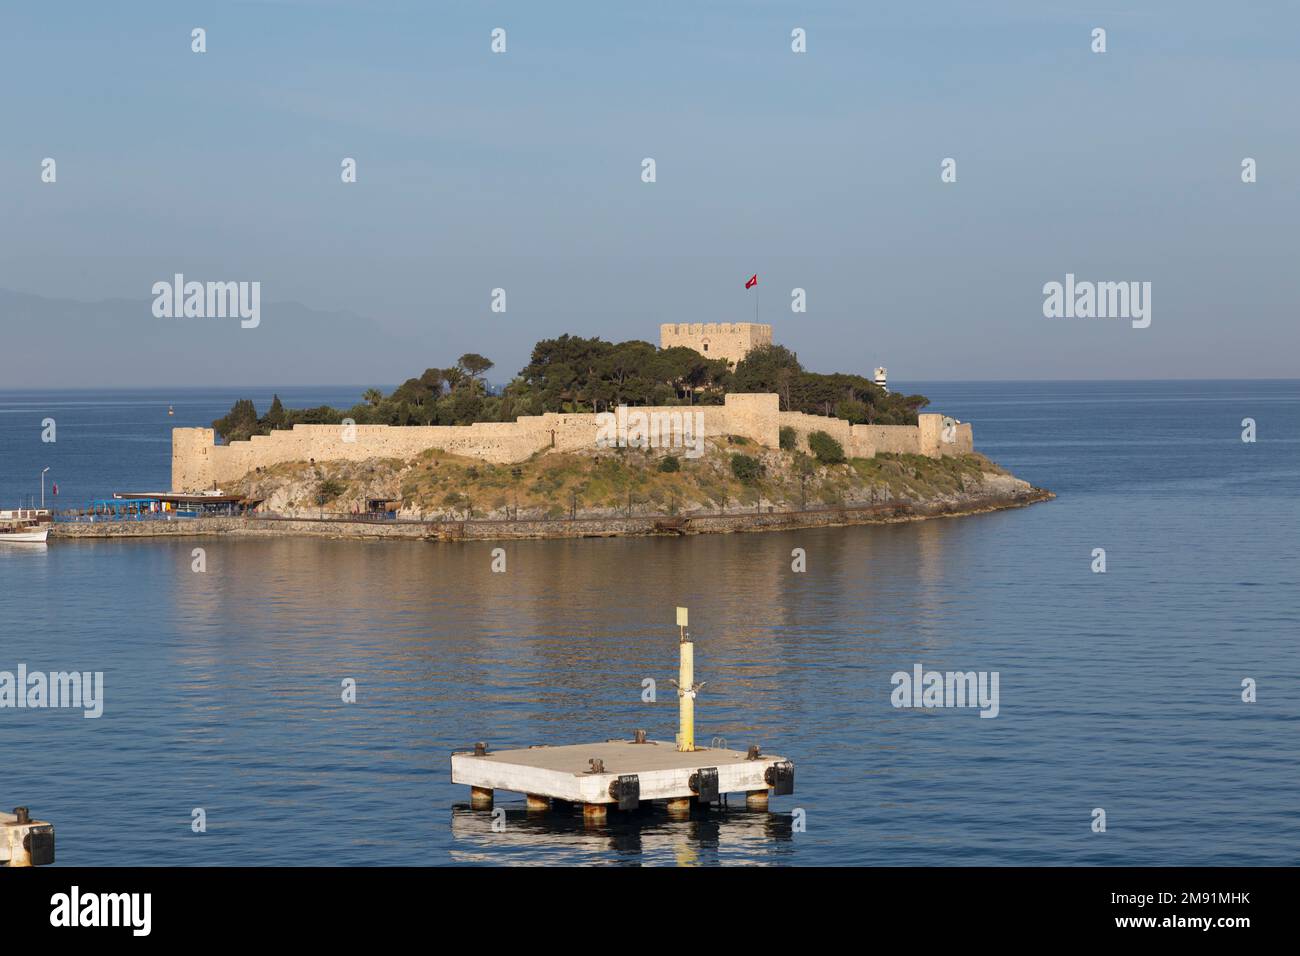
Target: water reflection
(732,835)
(223,688)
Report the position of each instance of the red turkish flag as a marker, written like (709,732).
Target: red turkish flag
(753,281)
(56,490)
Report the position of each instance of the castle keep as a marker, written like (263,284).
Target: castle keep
(729,340)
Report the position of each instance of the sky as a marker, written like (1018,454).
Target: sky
(522,171)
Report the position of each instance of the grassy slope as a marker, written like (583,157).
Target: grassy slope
(438,484)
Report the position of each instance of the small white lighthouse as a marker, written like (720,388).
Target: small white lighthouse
(880,378)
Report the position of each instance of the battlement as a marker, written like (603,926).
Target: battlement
(715,328)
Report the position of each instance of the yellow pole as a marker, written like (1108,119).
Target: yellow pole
(685,688)
(686,698)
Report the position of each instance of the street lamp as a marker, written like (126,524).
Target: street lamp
(43,471)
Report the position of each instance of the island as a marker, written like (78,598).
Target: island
(717,429)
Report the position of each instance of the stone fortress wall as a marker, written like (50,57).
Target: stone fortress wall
(728,340)
(929,437)
(198,464)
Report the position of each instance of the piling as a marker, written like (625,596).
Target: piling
(679,807)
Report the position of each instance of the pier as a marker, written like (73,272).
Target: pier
(622,774)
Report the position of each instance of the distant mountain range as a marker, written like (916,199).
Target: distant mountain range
(60,343)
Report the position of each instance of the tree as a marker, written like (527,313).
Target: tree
(897,409)
(419,391)
(240,423)
(826,448)
(620,374)
(373,396)
(686,370)
(275,416)
(455,377)
(473,365)
(320,415)
(816,394)
(746,468)
(432,379)
(465,408)
(327,490)
(768,368)
(853,411)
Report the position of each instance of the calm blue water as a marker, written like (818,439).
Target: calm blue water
(1118,690)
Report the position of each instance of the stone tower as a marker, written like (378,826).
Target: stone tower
(192,459)
(727,340)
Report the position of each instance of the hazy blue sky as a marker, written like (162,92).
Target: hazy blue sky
(522,171)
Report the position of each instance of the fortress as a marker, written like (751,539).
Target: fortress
(199,464)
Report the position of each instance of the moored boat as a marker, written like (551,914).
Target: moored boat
(25,533)
(24,526)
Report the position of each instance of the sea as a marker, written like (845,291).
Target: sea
(297,700)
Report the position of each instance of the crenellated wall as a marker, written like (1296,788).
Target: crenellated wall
(199,465)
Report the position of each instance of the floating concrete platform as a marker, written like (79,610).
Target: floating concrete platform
(621,773)
(24,841)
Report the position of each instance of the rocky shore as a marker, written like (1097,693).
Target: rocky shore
(581,527)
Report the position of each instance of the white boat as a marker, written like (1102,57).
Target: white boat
(24,526)
(24,534)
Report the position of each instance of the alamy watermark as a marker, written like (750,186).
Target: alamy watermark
(633,428)
(64,689)
(129,910)
(926,689)
(1098,300)
(208,300)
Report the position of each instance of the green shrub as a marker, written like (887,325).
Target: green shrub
(826,448)
(745,468)
(328,490)
(670,463)
(788,437)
